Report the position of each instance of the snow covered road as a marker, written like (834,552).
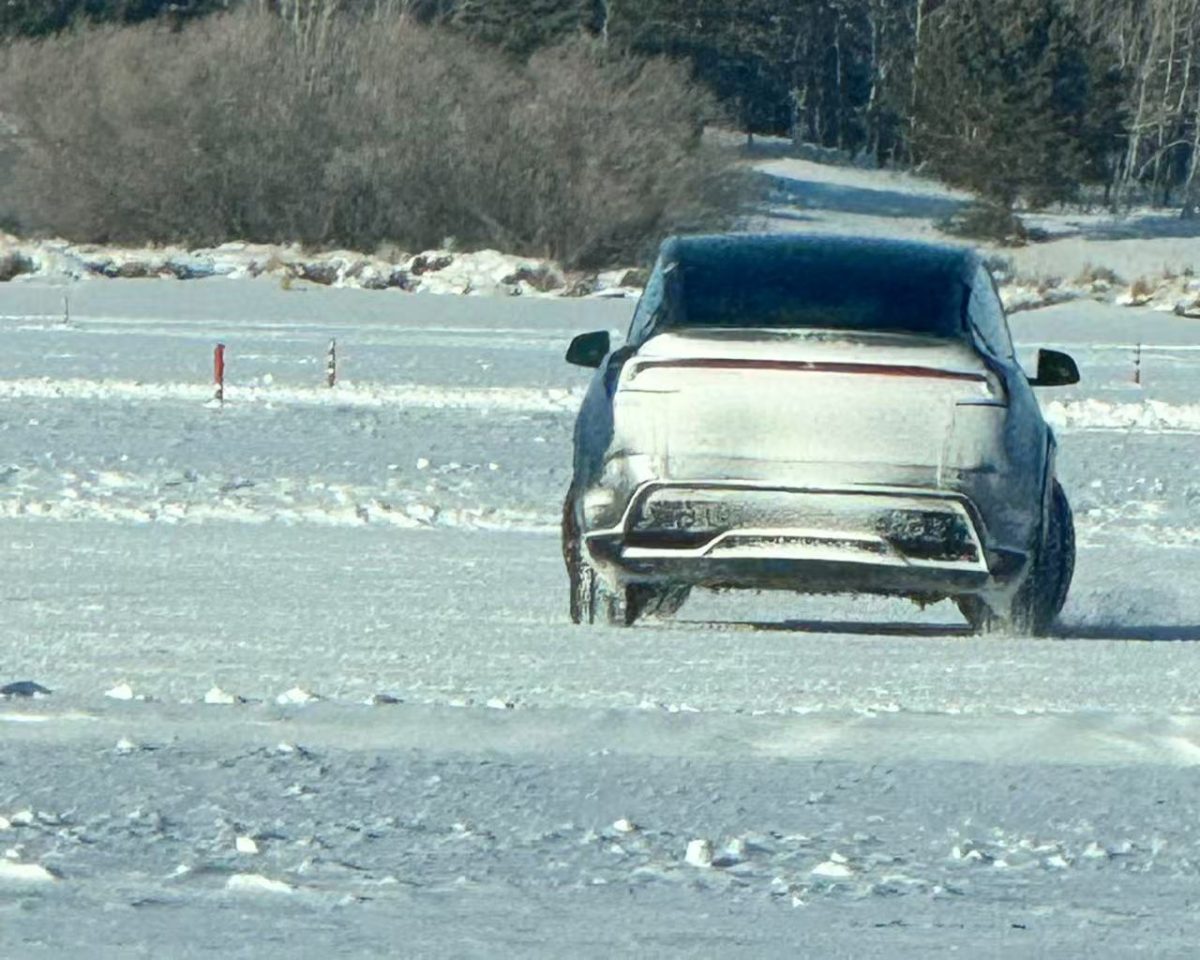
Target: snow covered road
(870,780)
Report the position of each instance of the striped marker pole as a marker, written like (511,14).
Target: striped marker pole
(219,373)
(331,365)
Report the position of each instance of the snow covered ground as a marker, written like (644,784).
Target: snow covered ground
(313,691)
(1148,256)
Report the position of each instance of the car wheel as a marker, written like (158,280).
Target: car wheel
(591,599)
(1059,563)
(1037,603)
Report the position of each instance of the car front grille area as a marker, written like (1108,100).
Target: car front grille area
(716,521)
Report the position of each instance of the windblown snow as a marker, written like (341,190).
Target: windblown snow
(292,673)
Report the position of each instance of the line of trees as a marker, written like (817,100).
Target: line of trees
(1157,47)
(1013,98)
(36,18)
(1028,97)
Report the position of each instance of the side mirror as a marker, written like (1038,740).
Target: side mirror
(588,349)
(1055,370)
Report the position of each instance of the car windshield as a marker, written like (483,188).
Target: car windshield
(837,288)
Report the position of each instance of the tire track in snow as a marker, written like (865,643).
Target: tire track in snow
(370,510)
(346,394)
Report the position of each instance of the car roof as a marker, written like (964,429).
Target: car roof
(716,251)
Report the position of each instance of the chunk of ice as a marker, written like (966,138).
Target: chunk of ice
(246,845)
(256,883)
(296,695)
(831,870)
(699,853)
(25,872)
(122,691)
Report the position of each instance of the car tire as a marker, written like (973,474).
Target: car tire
(1041,597)
(591,600)
(1060,563)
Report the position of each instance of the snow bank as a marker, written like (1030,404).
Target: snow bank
(345,395)
(254,883)
(483,272)
(486,273)
(25,873)
(1151,416)
(1179,294)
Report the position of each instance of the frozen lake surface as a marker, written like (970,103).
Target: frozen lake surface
(225,602)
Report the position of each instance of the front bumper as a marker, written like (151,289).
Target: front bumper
(888,540)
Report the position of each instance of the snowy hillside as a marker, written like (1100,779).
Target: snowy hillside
(301,679)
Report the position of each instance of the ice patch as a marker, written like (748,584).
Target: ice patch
(835,868)
(256,883)
(25,873)
(1095,851)
(295,697)
(217,696)
(699,853)
(122,691)
(246,845)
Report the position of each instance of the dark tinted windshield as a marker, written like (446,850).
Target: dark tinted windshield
(841,286)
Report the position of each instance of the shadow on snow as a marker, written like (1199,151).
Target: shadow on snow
(1147,633)
(863,200)
(889,628)
(1151,633)
(1144,228)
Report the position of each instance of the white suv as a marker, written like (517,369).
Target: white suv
(817,414)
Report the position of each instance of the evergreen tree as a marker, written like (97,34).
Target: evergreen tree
(1008,101)
(522,26)
(740,48)
(35,18)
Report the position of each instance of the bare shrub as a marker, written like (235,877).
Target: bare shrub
(1046,284)
(1096,275)
(986,221)
(241,127)
(1141,291)
(13,265)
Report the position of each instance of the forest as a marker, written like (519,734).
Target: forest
(1025,102)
